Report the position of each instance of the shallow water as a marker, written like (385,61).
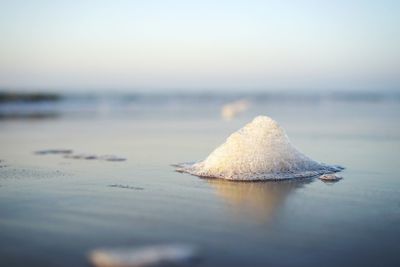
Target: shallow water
(54,210)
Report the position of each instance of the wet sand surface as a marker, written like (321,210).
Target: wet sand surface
(55,209)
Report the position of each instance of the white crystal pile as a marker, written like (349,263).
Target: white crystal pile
(260,150)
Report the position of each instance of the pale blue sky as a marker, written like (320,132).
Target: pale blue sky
(150,44)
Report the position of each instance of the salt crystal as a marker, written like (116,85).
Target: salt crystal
(260,150)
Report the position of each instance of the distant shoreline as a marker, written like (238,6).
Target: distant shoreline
(8,96)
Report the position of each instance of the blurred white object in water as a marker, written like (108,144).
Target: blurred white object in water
(160,255)
(231,110)
(260,150)
(330,177)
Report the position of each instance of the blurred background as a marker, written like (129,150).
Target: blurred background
(118,54)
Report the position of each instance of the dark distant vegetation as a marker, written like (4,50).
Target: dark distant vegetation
(28,97)
(28,116)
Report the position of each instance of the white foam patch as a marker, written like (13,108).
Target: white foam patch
(260,150)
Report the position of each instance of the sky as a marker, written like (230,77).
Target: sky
(196,45)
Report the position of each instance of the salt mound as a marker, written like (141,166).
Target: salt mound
(260,150)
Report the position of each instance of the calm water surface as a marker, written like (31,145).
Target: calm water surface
(54,210)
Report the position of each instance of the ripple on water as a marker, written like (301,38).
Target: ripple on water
(68,154)
(126,187)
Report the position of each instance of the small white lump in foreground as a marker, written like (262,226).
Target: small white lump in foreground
(158,255)
(260,150)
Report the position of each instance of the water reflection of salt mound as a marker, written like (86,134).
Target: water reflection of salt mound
(260,150)
(258,200)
